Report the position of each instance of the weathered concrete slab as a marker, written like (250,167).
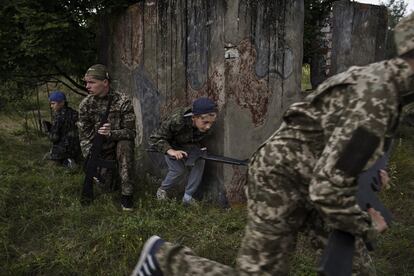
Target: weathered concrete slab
(358,36)
(353,34)
(244,54)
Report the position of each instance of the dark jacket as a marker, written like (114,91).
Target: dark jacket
(176,132)
(64,135)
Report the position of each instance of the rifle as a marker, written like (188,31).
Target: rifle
(46,126)
(93,162)
(337,257)
(194,153)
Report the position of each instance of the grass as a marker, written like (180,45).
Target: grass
(45,231)
(306,82)
(395,254)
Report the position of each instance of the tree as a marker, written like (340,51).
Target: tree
(316,12)
(396,10)
(48,41)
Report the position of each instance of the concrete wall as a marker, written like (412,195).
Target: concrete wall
(354,34)
(358,36)
(244,54)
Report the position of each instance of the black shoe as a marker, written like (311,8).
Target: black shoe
(147,264)
(127,203)
(86,196)
(69,163)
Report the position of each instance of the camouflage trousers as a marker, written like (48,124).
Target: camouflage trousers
(123,153)
(278,209)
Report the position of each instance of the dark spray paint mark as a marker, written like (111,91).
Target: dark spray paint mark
(268,34)
(197,44)
(149,100)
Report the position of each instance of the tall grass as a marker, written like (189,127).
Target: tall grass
(306,75)
(45,231)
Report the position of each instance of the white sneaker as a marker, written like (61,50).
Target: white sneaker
(189,200)
(162,194)
(147,264)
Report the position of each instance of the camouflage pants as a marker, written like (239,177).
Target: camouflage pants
(123,153)
(278,209)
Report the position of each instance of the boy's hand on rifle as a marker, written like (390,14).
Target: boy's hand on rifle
(46,126)
(105,129)
(377,220)
(385,179)
(177,154)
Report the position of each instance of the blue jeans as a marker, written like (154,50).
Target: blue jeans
(177,170)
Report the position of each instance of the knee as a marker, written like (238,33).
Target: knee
(125,150)
(200,163)
(176,172)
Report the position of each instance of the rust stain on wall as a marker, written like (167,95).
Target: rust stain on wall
(176,51)
(212,88)
(169,106)
(235,190)
(243,85)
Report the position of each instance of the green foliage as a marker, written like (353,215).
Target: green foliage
(45,231)
(48,41)
(305,82)
(396,10)
(395,254)
(39,39)
(315,13)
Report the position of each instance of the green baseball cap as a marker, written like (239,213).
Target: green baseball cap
(97,71)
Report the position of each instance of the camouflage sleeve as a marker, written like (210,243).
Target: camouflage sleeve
(56,129)
(127,124)
(86,127)
(333,187)
(159,137)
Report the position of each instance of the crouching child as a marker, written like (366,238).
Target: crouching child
(185,128)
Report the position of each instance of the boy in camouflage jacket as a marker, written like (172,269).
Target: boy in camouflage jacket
(183,129)
(119,132)
(63,132)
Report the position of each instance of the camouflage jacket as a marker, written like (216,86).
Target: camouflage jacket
(343,108)
(176,132)
(64,134)
(121,117)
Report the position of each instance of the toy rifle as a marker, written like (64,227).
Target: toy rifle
(46,126)
(337,257)
(194,153)
(93,162)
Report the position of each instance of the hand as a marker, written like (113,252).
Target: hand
(377,220)
(105,129)
(385,179)
(177,154)
(46,126)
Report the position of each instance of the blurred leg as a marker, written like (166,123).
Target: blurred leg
(176,171)
(125,158)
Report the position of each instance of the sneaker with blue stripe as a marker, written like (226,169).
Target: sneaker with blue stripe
(147,264)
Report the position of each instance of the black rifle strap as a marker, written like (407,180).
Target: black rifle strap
(104,118)
(407,98)
(105,115)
